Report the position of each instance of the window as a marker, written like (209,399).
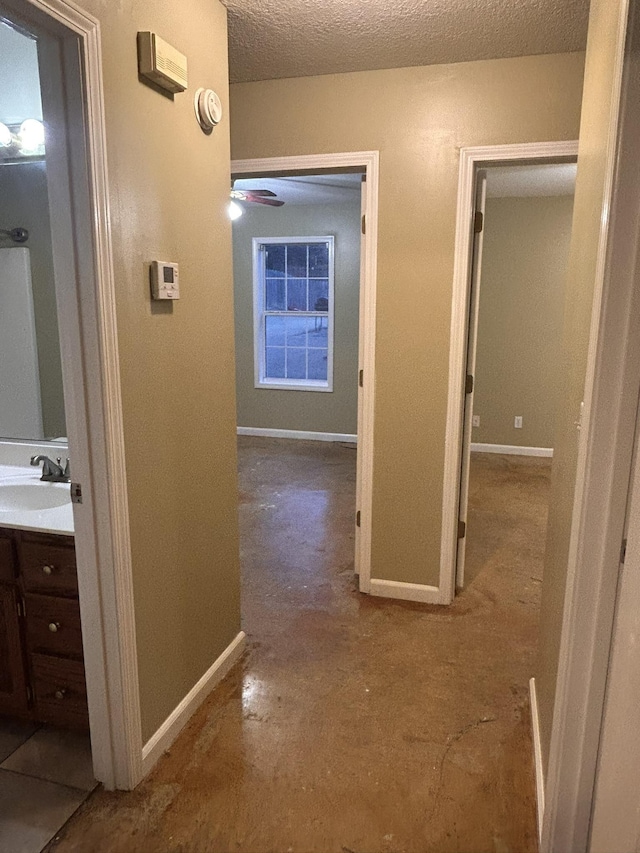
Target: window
(293,298)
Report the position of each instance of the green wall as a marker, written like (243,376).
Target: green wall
(524,266)
(311,411)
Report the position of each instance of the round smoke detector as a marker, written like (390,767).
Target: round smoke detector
(208,109)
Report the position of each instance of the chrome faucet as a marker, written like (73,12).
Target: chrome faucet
(52,472)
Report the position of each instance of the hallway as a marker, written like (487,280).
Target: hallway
(354,724)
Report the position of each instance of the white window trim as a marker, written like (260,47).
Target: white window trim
(259,326)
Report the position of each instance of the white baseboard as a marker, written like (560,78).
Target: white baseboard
(407,591)
(537,755)
(297,433)
(182,713)
(511,449)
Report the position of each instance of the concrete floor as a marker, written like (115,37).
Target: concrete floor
(354,724)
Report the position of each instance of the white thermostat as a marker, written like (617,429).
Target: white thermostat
(208,107)
(165,283)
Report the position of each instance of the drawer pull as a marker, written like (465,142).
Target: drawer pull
(60,693)
(48,570)
(54,627)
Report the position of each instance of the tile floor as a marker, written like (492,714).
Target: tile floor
(45,774)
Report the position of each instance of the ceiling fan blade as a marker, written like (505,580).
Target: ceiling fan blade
(272,202)
(259,192)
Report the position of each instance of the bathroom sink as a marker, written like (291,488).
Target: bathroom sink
(21,497)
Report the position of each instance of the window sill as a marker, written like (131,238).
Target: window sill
(294,385)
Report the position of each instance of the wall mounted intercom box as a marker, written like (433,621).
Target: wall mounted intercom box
(165,281)
(161,63)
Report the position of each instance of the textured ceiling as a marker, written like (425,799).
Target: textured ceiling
(269,39)
(310,189)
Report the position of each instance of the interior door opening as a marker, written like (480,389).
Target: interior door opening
(522,230)
(297,270)
(45,749)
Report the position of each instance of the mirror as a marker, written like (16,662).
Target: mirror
(31,394)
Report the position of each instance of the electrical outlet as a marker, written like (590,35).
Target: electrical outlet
(517,422)
(475,421)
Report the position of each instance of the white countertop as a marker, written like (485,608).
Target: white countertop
(58,519)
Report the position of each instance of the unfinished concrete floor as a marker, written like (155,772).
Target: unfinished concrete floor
(354,724)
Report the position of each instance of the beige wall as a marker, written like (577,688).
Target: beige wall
(169,186)
(25,204)
(524,267)
(313,411)
(418,118)
(587,221)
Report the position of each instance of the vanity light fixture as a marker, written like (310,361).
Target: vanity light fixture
(31,135)
(22,141)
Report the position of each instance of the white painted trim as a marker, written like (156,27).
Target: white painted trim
(369,160)
(605,452)
(406,591)
(88,330)
(511,449)
(470,160)
(162,739)
(299,434)
(538,765)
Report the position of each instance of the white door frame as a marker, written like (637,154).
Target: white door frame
(605,455)
(87,322)
(369,160)
(471,159)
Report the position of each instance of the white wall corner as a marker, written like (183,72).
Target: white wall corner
(182,713)
(537,755)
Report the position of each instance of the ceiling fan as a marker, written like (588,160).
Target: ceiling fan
(257,197)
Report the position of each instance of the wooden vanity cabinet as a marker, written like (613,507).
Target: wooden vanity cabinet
(41,660)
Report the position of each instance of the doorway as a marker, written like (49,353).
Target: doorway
(45,750)
(464,326)
(364,165)
(71,154)
(517,307)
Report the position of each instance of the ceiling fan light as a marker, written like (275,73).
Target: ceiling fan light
(234,210)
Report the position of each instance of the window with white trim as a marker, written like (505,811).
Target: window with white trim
(293,299)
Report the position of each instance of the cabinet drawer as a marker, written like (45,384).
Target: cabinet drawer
(7,560)
(59,691)
(53,626)
(48,567)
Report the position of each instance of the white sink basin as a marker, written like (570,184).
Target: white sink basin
(33,496)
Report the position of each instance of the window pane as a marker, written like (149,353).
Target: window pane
(297,260)
(319,295)
(275,261)
(274,368)
(296,294)
(275,294)
(318,364)
(275,331)
(296,331)
(319,260)
(318,335)
(296,363)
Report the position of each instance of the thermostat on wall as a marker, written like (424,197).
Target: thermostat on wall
(165,283)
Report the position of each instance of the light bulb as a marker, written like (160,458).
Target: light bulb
(31,135)
(235,211)
(5,136)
